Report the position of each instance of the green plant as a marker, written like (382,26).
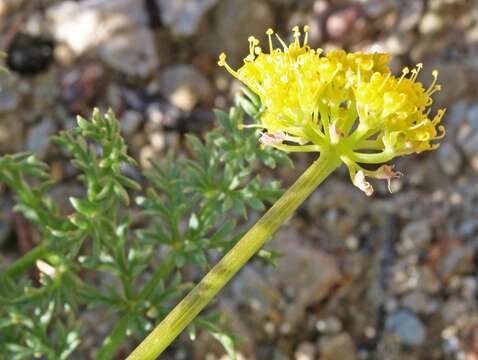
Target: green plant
(103,255)
(347,107)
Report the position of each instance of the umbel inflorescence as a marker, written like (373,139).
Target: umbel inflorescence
(348,103)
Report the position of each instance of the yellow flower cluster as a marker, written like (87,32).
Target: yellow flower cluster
(349,103)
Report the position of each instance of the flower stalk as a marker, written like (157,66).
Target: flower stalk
(184,312)
(347,107)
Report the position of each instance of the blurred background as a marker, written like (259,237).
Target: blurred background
(388,277)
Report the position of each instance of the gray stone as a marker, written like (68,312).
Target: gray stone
(454,310)
(84,25)
(251,288)
(376,8)
(237,20)
(130,121)
(467,227)
(428,280)
(307,272)
(8,100)
(11,133)
(450,159)
(39,137)
(346,24)
(184,86)
(457,260)
(470,147)
(400,43)
(469,288)
(160,114)
(431,23)
(455,120)
(414,236)
(407,327)
(131,52)
(455,79)
(472,116)
(417,301)
(305,351)
(410,15)
(330,325)
(184,16)
(8,6)
(337,347)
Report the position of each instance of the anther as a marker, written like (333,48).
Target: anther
(306,34)
(222,59)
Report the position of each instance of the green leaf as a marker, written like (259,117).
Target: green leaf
(224,120)
(255,203)
(129,183)
(82,123)
(248,107)
(84,207)
(121,193)
(226,340)
(252,96)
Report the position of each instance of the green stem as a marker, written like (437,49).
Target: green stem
(160,338)
(115,339)
(161,272)
(26,261)
(110,345)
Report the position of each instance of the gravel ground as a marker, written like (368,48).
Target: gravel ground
(388,277)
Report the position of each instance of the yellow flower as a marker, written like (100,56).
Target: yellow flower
(348,103)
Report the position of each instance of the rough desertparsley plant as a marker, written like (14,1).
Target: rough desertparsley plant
(348,107)
(112,255)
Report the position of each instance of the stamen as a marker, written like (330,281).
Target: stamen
(222,59)
(438,116)
(433,87)
(416,71)
(296,35)
(382,85)
(253,42)
(405,72)
(441,133)
(269,33)
(336,71)
(418,125)
(282,43)
(306,34)
(222,62)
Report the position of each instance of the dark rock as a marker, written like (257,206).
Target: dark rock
(30,55)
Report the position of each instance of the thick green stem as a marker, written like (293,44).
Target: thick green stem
(26,261)
(175,322)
